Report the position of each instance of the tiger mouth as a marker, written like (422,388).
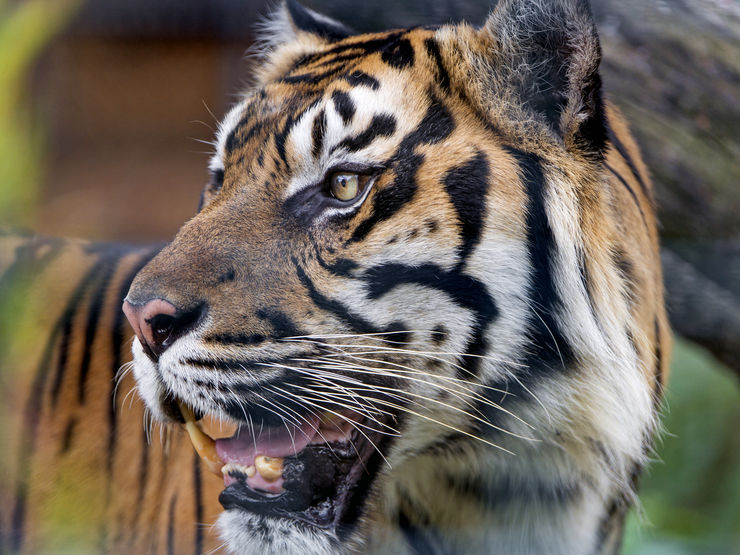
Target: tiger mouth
(309,472)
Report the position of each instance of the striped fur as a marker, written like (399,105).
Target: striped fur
(495,293)
(79,472)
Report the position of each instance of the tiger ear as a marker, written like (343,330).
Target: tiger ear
(290,31)
(543,57)
(291,23)
(304,20)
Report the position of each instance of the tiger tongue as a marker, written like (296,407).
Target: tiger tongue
(283,441)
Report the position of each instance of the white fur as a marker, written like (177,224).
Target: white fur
(242,534)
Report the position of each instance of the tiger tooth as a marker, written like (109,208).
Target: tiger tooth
(204,445)
(270,468)
(249,471)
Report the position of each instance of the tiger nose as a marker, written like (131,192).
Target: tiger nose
(158,323)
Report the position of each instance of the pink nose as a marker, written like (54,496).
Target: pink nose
(157,324)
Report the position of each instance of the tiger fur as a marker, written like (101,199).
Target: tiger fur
(489,307)
(78,471)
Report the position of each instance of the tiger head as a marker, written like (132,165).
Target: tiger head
(380,280)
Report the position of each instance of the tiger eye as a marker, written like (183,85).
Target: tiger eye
(345,186)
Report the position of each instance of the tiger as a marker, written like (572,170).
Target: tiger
(422,293)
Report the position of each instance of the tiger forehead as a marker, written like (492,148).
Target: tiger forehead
(395,49)
(363,67)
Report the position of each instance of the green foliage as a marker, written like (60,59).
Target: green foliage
(691,494)
(25,29)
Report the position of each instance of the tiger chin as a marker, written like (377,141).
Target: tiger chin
(423,287)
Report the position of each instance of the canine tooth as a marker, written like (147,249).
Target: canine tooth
(204,445)
(249,471)
(270,468)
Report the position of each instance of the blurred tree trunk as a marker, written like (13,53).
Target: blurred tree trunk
(673,66)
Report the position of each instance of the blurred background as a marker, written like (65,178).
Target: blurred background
(106,106)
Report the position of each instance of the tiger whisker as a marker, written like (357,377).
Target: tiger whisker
(532,305)
(337,400)
(313,374)
(407,351)
(459,394)
(445,425)
(121,373)
(451,407)
(357,427)
(287,394)
(411,351)
(130,394)
(463,394)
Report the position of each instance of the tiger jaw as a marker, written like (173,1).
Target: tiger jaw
(307,473)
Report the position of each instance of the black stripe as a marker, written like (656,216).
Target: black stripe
(415,537)
(452,443)
(549,349)
(465,291)
(198,500)
(613,517)
(236,339)
(624,153)
(293,118)
(117,337)
(630,189)
(382,125)
(335,61)
(33,409)
(345,107)
(62,361)
(68,435)
(361,79)
(501,493)
(658,393)
(356,323)
(240,136)
(388,201)
(358,49)
(230,364)
(436,126)
(310,78)
(318,130)
(358,496)
(281,137)
(143,476)
(626,271)
(442,74)
(237,137)
(281,323)
(399,54)
(467,186)
(96,306)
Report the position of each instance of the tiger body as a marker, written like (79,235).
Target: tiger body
(79,473)
(486,312)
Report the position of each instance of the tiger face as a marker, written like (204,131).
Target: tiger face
(401,288)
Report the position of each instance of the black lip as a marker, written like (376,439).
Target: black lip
(318,483)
